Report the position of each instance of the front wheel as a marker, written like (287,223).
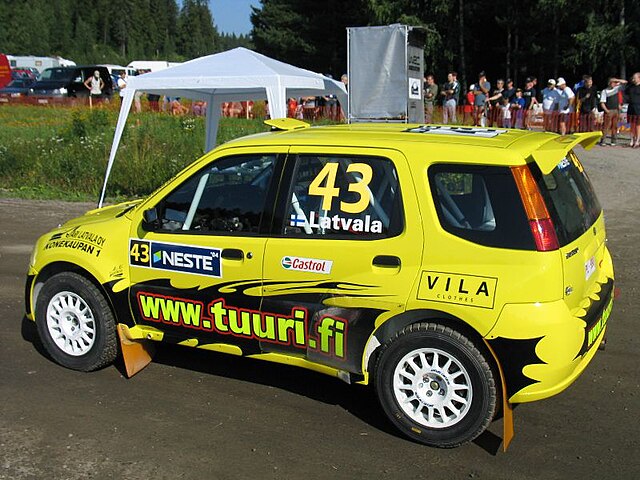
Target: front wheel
(435,385)
(75,323)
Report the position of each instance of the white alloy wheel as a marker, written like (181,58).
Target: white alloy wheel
(71,323)
(432,387)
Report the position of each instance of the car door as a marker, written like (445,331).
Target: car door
(196,260)
(345,251)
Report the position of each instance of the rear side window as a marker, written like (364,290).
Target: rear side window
(570,198)
(480,204)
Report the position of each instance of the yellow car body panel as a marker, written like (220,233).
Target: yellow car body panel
(537,304)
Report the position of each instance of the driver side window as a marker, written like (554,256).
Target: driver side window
(225,196)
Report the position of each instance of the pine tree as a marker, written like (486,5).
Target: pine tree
(197,35)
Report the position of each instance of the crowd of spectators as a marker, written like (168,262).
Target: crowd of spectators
(556,108)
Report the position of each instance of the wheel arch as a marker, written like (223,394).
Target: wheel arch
(59,267)
(385,331)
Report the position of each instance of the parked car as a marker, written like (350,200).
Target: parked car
(458,270)
(69,81)
(17,88)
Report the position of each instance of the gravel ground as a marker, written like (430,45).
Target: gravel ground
(199,415)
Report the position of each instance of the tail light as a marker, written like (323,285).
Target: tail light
(540,221)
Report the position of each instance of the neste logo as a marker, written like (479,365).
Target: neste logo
(186,259)
(302,264)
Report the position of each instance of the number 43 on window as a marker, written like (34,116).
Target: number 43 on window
(329,190)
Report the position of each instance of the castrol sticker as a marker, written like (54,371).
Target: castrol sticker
(301,264)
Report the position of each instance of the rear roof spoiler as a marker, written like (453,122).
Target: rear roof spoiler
(286,124)
(550,153)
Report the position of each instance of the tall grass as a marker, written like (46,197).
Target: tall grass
(48,152)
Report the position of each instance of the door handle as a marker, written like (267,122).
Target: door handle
(232,254)
(386,261)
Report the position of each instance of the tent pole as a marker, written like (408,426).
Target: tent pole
(213,119)
(127,100)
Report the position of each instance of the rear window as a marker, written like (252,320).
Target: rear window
(480,204)
(570,198)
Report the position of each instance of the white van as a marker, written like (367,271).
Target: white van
(118,69)
(151,65)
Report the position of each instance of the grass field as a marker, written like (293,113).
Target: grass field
(61,153)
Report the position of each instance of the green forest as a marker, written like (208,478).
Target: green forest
(512,38)
(112,31)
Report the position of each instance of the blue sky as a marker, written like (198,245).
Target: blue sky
(232,16)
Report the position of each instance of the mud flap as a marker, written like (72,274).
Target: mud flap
(507,419)
(136,354)
(508,431)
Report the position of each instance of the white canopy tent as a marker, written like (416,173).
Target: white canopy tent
(235,75)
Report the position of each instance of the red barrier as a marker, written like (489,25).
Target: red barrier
(9,99)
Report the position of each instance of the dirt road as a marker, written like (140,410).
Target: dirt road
(198,415)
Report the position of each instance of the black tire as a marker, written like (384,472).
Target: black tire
(88,348)
(464,391)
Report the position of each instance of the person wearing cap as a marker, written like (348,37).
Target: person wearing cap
(518,103)
(509,90)
(529,94)
(610,104)
(566,99)
(550,101)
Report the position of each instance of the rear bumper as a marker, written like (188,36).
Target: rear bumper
(543,348)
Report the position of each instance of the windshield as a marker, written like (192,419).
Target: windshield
(571,200)
(57,74)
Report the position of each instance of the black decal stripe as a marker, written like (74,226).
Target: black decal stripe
(594,313)
(120,303)
(360,321)
(515,354)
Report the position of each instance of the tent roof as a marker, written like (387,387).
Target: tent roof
(234,75)
(238,71)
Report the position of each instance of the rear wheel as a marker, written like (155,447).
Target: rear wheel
(435,385)
(75,323)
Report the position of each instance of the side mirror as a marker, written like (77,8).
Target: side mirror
(150,221)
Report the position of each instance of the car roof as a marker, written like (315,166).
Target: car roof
(493,146)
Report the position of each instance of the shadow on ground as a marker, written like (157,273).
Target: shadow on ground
(358,400)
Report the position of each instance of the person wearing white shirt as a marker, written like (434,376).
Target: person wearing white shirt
(566,99)
(122,84)
(550,99)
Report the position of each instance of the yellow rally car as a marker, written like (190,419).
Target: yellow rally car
(458,270)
